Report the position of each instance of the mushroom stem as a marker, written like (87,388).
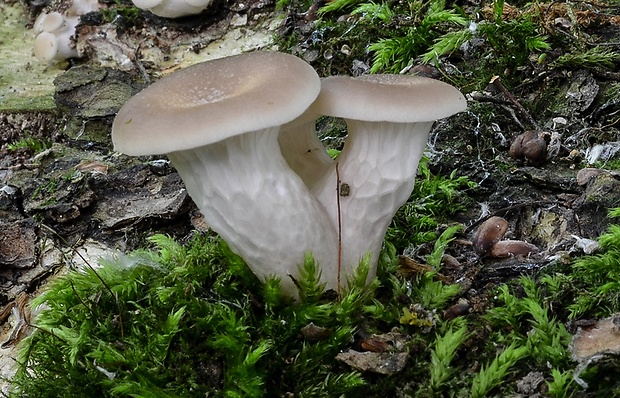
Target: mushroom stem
(304,152)
(377,168)
(250,196)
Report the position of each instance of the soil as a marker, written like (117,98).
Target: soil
(74,199)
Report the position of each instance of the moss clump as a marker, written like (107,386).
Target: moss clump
(596,278)
(192,320)
(435,197)
(187,321)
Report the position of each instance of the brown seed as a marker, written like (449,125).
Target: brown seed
(535,151)
(374,344)
(531,146)
(516,149)
(450,262)
(488,234)
(512,248)
(313,332)
(456,310)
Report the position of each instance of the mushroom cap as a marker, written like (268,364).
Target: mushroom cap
(146,4)
(214,100)
(388,98)
(82,7)
(199,3)
(48,22)
(45,47)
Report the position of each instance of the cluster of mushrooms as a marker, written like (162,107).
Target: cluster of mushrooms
(55,31)
(240,131)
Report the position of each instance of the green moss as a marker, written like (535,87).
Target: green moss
(44,103)
(127,14)
(192,320)
(186,322)
(596,278)
(594,57)
(29,143)
(434,197)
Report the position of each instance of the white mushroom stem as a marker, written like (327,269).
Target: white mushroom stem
(173,8)
(249,195)
(304,152)
(377,168)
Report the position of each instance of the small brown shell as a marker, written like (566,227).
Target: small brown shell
(488,234)
(458,309)
(374,344)
(535,151)
(516,149)
(531,146)
(512,248)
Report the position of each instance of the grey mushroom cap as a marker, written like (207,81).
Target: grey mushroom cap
(383,98)
(214,100)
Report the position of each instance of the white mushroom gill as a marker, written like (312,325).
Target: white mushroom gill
(250,196)
(388,118)
(376,169)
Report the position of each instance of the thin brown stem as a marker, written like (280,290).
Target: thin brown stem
(339,226)
(496,81)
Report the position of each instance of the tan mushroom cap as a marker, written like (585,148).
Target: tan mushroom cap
(214,100)
(388,98)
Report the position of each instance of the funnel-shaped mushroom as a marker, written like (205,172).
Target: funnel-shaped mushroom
(219,122)
(388,118)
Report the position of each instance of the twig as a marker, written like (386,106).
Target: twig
(497,83)
(339,226)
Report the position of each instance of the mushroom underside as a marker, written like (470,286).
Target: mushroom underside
(261,208)
(376,170)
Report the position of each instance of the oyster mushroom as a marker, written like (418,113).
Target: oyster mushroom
(389,118)
(54,37)
(55,32)
(218,122)
(173,8)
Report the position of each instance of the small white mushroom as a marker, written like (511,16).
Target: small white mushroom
(82,7)
(54,39)
(48,22)
(173,8)
(219,121)
(389,118)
